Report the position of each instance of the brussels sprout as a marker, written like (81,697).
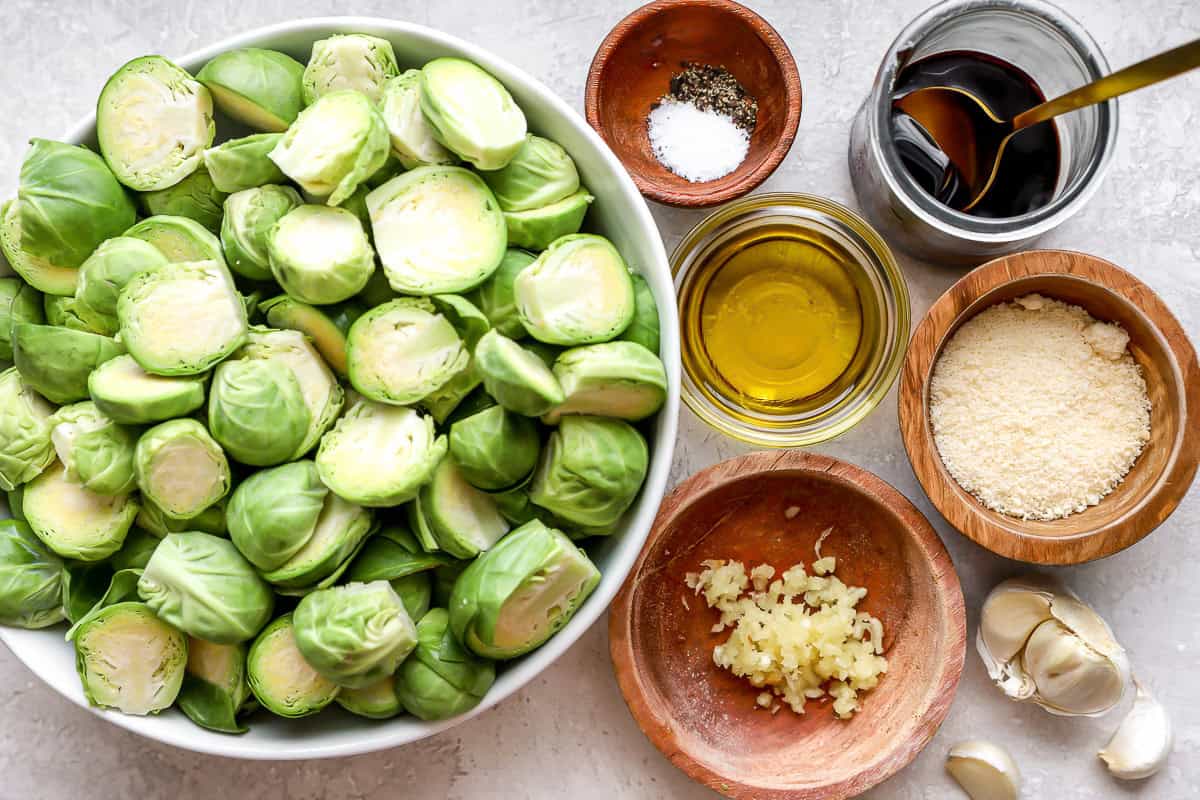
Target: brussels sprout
(136,551)
(413,140)
(74,521)
(19,302)
(351,61)
(155,520)
(612,379)
(538,228)
(355,634)
(25,422)
(178,238)
(130,660)
(240,164)
(63,312)
(496,299)
(256,411)
(180,468)
(494,449)
(39,273)
(281,679)
(334,145)
(249,216)
(577,292)
(214,687)
(57,361)
(131,396)
(93,449)
(102,587)
(196,197)
(443,401)
(69,202)
(441,679)
(183,318)
(471,113)
(327,327)
(644,328)
(516,377)
(472,404)
(517,595)
(201,584)
(320,255)
(401,351)
(31,579)
(273,513)
(340,531)
(376,701)
(590,471)
(539,174)
(516,507)
(106,272)
(379,455)
(259,88)
(415,592)
(466,318)
(437,229)
(153,120)
(462,520)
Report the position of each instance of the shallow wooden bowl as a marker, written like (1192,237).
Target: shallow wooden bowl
(633,69)
(703,718)
(1160,477)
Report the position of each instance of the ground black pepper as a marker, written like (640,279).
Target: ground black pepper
(711,88)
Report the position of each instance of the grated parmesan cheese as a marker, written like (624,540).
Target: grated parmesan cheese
(1037,408)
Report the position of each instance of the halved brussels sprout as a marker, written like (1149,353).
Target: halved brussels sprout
(351,61)
(178,238)
(590,471)
(516,377)
(391,554)
(131,396)
(376,701)
(136,551)
(240,164)
(413,140)
(281,679)
(183,318)
(69,202)
(340,531)
(326,327)
(496,298)
(155,520)
(73,521)
(196,197)
(259,88)
(539,174)
(180,468)
(577,292)
(442,402)
(19,302)
(39,273)
(106,272)
(379,455)
(320,255)
(63,312)
(273,513)
(256,411)
(130,660)
(25,422)
(57,361)
(31,579)
(517,595)
(153,120)
(643,329)
(93,449)
(215,687)
(495,449)
(403,350)
(471,112)
(202,585)
(441,679)
(538,228)
(465,316)
(462,520)
(437,230)
(334,145)
(612,379)
(249,217)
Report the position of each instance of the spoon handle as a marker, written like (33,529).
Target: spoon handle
(1152,70)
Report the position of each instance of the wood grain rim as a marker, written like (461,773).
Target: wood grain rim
(1009,536)
(721,190)
(941,680)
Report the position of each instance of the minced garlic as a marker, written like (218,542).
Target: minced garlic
(799,636)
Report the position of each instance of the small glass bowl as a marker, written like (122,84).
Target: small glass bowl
(856,245)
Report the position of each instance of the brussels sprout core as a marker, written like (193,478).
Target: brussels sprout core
(130,660)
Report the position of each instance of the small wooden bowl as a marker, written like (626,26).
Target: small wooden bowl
(633,69)
(703,718)
(1160,477)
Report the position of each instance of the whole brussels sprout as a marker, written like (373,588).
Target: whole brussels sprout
(538,228)
(281,679)
(517,379)
(25,422)
(214,686)
(495,449)
(441,679)
(355,634)
(611,379)
(259,88)
(471,113)
(106,272)
(155,520)
(496,298)
(178,238)
(180,468)
(320,255)
(539,174)
(340,531)
(326,327)
(462,520)
(74,521)
(93,449)
(376,701)
(413,140)
(249,217)
(30,578)
(643,329)
(57,361)
(41,274)
(256,411)
(201,584)
(196,197)
(153,120)
(403,350)
(351,61)
(240,164)
(19,302)
(273,513)
(131,396)
(130,660)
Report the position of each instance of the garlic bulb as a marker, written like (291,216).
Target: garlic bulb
(984,770)
(1143,740)
(1041,643)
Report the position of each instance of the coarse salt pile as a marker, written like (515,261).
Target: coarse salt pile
(696,145)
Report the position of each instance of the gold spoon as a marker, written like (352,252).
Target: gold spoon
(944,110)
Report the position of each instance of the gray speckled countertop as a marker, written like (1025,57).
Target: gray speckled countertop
(568,734)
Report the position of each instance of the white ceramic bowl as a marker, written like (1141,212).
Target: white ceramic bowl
(619,213)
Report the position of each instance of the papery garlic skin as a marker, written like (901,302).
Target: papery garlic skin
(1143,740)
(984,770)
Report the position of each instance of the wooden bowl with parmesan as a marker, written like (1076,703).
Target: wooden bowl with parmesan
(785,582)
(1050,407)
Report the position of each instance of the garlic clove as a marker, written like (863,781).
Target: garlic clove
(1143,740)
(1010,613)
(1009,676)
(984,770)
(1071,677)
(1085,623)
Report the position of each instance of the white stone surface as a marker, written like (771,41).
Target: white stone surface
(568,733)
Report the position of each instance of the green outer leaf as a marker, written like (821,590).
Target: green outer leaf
(209,706)
(31,578)
(166,398)
(37,272)
(83,584)
(539,174)
(25,448)
(441,679)
(122,588)
(249,217)
(644,329)
(471,113)
(196,197)
(239,164)
(377,701)
(495,297)
(57,361)
(393,553)
(538,228)
(19,302)
(515,377)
